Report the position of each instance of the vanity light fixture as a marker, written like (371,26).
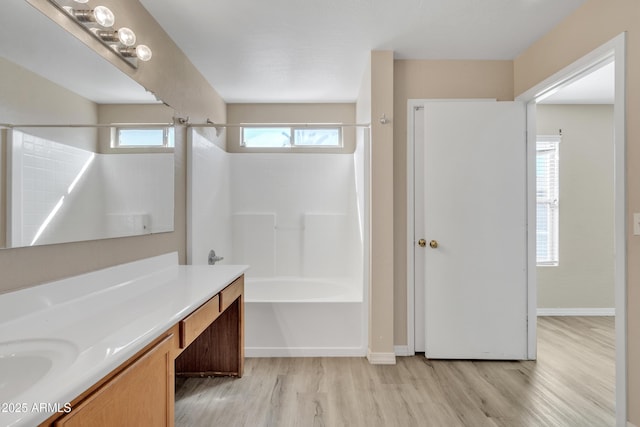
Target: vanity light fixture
(142,52)
(99,21)
(123,35)
(100,15)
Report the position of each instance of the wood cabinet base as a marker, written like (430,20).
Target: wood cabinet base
(219,349)
(215,351)
(140,392)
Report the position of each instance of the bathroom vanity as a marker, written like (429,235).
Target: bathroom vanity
(112,341)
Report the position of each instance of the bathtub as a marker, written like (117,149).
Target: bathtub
(302,317)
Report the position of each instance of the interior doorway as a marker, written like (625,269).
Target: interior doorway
(575,230)
(613,49)
(575,196)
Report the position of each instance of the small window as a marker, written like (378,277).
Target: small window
(547,205)
(287,137)
(161,137)
(266,137)
(317,137)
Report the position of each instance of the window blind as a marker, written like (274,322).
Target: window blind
(547,195)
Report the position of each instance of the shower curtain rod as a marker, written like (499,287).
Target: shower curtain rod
(277,125)
(76,125)
(187,124)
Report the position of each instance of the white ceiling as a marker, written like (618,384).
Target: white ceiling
(298,50)
(312,50)
(597,87)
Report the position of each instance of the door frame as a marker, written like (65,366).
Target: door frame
(614,48)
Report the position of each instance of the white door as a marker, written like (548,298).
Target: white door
(475,219)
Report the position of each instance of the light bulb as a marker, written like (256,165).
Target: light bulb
(104,16)
(81,1)
(143,52)
(126,36)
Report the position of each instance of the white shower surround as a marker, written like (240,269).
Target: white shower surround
(300,317)
(87,195)
(296,219)
(300,289)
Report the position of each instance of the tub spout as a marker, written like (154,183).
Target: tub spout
(213,258)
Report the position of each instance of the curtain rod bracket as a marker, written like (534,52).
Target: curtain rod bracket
(218,128)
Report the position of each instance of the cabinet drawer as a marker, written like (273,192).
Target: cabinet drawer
(194,324)
(231,293)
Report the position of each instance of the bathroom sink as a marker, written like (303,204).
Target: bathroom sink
(25,363)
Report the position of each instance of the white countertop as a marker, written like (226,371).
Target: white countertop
(90,324)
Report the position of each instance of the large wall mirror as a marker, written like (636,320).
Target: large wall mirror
(71,182)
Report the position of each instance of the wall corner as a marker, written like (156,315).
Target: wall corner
(381,340)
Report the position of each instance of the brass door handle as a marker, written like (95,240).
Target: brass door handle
(422,243)
(433,244)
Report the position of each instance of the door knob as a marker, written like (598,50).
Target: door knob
(422,243)
(433,244)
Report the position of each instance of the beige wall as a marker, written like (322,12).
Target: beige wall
(592,25)
(174,79)
(424,79)
(291,113)
(381,214)
(584,275)
(27,98)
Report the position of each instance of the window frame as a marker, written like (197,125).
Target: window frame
(292,140)
(551,145)
(115,141)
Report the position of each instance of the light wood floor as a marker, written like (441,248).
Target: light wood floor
(571,384)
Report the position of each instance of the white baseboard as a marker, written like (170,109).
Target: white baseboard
(381,358)
(304,352)
(403,350)
(576,312)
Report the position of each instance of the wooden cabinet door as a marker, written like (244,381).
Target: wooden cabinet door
(141,395)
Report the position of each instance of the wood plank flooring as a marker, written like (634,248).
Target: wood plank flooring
(571,384)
